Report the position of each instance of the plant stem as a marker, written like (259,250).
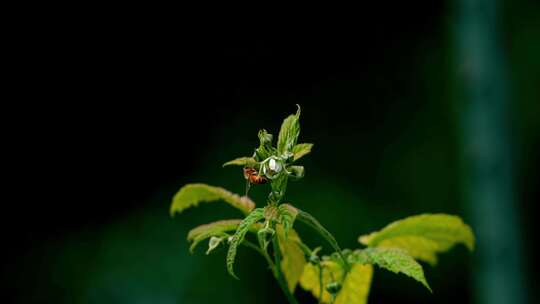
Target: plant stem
(309,220)
(261,251)
(320,282)
(278,274)
(276,270)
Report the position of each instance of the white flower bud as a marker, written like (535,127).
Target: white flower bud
(213,243)
(274,165)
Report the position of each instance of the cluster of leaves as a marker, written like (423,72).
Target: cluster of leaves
(344,276)
(276,163)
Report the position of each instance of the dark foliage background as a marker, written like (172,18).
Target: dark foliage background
(135,110)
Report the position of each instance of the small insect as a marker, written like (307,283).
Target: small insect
(253,176)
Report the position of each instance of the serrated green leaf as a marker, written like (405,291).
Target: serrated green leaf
(418,247)
(203,232)
(252,218)
(423,236)
(192,194)
(288,134)
(218,228)
(293,258)
(393,259)
(242,161)
(301,150)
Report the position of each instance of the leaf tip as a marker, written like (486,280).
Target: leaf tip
(364,239)
(470,242)
(231,272)
(192,248)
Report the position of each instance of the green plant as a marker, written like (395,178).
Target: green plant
(344,276)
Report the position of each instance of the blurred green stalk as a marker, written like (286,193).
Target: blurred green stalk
(487,155)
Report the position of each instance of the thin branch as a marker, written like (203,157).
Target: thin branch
(279,274)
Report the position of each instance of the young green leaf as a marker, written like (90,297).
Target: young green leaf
(288,134)
(301,149)
(265,138)
(242,161)
(287,215)
(192,194)
(279,186)
(252,218)
(283,214)
(296,172)
(203,232)
(423,236)
(271,213)
(393,259)
(293,258)
(265,148)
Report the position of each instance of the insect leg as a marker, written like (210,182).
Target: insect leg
(248,186)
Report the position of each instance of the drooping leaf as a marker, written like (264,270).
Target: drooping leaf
(242,161)
(288,134)
(423,236)
(213,228)
(301,150)
(203,232)
(393,259)
(192,194)
(218,228)
(293,258)
(252,218)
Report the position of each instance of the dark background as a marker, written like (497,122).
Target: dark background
(134,109)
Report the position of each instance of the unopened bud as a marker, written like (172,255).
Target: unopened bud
(213,243)
(333,287)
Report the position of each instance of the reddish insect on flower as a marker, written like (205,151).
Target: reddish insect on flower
(253,176)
